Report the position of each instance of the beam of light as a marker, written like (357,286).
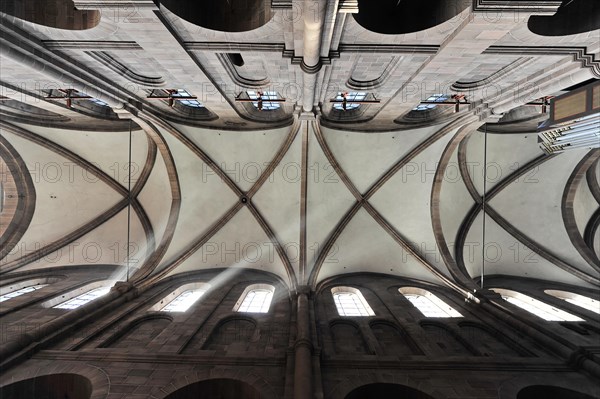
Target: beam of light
(137,260)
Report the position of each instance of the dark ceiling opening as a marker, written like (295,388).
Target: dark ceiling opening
(573,16)
(60,14)
(406,16)
(54,386)
(222,15)
(218,388)
(377,391)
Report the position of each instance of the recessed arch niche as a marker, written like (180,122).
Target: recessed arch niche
(406,16)
(381,390)
(225,16)
(53,386)
(393,340)
(223,388)
(348,339)
(577,16)
(60,14)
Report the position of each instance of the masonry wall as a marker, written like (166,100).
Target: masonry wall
(131,350)
(475,356)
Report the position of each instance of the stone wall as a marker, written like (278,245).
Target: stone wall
(129,349)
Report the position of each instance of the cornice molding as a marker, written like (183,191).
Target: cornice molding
(240,47)
(540,7)
(579,54)
(229,47)
(91,45)
(112,4)
(389,48)
(496,76)
(281,4)
(119,67)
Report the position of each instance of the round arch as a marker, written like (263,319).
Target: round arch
(225,16)
(386,390)
(523,387)
(40,373)
(55,375)
(256,382)
(395,17)
(52,386)
(355,386)
(224,388)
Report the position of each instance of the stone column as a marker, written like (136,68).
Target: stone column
(303,386)
(314,16)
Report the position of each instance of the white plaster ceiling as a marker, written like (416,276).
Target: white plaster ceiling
(506,154)
(192,216)
(455,202)
(156,197)
(505,255)
(204,197)
(67,196)
(109,151)
(534,206)
(354,238)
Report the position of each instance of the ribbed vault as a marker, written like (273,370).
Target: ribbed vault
(308,203)
(304,191)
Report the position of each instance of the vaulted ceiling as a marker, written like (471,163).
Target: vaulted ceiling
(306,192)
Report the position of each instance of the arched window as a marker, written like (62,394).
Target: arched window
(71,95)
(538,308)
(188,103)
(183,301)
(83,299)
(266,96)
(427,303)
(182,298)
(25,290)
(436,98)
(576,299)
(352,96)
(350,302)
(99,102)
(80,296)
(255,299)
(19,288)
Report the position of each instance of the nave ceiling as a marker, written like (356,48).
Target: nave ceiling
(305,192)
